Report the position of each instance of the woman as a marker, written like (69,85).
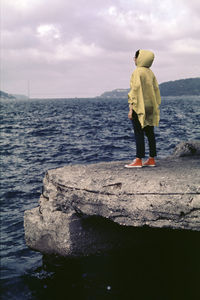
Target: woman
(144,100)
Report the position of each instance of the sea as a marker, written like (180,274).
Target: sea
(41,134)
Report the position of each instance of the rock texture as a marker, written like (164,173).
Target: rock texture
(90,209)
(189,148)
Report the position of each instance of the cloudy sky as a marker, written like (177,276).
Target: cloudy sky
(81,48)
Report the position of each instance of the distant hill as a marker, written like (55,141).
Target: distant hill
(6,96)
(182,87)
(117,93)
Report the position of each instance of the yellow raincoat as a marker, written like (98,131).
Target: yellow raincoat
(145,94)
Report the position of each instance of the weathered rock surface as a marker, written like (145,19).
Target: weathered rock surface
(189,148)
(89,209)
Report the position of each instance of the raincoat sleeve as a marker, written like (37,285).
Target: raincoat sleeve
(157,91)
(134,85)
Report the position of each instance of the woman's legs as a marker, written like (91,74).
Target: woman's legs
(139,136)
(149,131)
(140,144)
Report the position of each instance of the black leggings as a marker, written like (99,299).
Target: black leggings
(139,137)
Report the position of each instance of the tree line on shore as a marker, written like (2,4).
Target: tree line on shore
(182,87)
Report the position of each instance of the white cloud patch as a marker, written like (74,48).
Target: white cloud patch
(48,31)
(186,46)
(76,50)
(63,44)
(21,5)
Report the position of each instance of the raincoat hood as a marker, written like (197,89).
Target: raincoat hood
(145,58)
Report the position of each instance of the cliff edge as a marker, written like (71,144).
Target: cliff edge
(89,209)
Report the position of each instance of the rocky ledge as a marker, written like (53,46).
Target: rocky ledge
(91,209)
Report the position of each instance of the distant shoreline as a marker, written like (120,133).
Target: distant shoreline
(94,98)
(178,88)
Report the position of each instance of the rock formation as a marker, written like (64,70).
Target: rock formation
(189,148)
(90,209)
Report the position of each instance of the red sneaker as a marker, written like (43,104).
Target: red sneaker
(150,162)
(137,163)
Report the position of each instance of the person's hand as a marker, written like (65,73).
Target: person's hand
(130,114)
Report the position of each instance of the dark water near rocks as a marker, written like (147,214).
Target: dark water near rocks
(38,135)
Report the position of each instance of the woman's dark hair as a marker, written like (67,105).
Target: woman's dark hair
(137,53)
